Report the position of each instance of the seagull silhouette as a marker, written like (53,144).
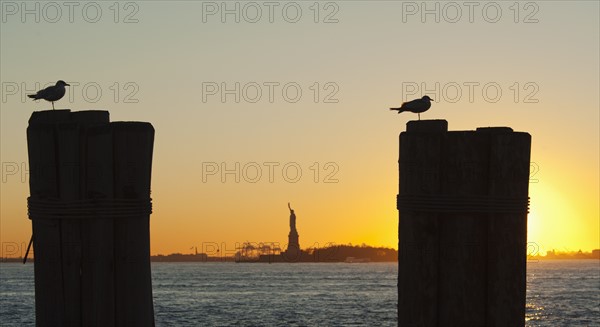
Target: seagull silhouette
(417,106)
(51,93)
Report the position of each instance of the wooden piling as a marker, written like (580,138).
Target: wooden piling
(98,281)
(81,195)
(43,184)
(132,143)
(462,232)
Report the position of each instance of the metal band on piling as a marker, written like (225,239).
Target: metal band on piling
(88,208)
(462,204)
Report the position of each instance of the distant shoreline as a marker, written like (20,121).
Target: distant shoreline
(231,260)
(338,253)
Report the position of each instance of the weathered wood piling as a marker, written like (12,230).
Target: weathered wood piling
(89,206)
(463,201)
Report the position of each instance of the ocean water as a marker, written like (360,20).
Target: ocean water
(563,293)
(559,293)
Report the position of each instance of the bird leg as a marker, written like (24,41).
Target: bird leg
(52,105)
(419,115)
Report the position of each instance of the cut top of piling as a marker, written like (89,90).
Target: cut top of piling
(66,116)
(427,126)
(441,126)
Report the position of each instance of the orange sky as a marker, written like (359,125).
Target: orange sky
(160,69)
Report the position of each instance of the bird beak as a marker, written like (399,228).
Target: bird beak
(67,84)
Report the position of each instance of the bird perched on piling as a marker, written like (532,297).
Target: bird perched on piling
(417,106)
(51,93)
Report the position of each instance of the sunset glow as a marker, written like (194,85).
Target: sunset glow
(338,142)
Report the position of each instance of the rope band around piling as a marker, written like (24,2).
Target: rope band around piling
(88,209)
(462,204)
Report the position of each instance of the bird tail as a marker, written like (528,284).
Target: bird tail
(398,109)
(33,96)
